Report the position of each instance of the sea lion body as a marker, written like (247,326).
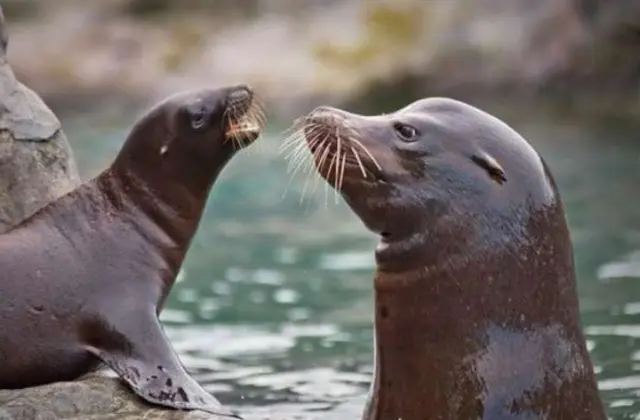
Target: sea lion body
(83,280)
(66,303)
(475,294)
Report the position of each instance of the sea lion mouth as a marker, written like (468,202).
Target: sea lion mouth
(245,118)
(246,126)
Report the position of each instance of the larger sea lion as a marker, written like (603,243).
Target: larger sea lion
(83,280)
(476,310)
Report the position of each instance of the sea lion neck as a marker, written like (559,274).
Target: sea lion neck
(419,245)
(441,329)
(173,212)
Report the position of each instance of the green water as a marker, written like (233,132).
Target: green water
(273,308)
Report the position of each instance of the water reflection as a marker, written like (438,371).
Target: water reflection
(273,308)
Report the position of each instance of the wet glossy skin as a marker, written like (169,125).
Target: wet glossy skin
(82,280)
(476,306)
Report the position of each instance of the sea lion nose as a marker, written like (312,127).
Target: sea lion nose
(240,93)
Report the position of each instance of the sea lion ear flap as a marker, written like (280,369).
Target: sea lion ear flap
(489,164)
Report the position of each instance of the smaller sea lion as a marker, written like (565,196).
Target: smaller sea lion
(84,278)
(476,310)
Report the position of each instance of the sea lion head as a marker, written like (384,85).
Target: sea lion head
(437,171)
(186,139)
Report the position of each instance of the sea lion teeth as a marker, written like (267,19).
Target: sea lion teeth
(243,126)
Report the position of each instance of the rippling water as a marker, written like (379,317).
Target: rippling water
(273,309)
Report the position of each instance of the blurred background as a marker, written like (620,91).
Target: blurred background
(273,309)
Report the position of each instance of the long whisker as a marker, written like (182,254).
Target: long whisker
(337,171)
(319,156)
(354,136)
(296,126)
(360,165)
(298,165)
(296,145)
(323,157)
(294,153)
(302,160)
(296,139)
(310,172)
(300,168)
(331,163)
(291,178)
(293,138)
(301,152)
(373,159)
(344,164)
(308,156)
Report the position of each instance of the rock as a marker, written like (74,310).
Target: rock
(36,167)
(36,162)
(93,397)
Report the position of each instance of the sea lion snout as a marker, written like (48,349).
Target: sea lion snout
(241,94)
(245,116)
(342,147)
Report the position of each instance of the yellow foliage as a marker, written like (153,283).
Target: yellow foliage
(186,39)
(390,24)
(389,29)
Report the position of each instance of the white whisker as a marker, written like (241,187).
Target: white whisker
(302,152)
(344,164)
(360,165)
(373,159)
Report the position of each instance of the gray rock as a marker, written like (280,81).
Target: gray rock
(93,397)
(36,162)
(36,167)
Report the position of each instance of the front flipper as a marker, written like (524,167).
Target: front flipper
(141,355)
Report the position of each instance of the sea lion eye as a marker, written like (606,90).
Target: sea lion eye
(406,132)
(198,117)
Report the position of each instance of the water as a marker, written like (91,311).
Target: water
(273,309)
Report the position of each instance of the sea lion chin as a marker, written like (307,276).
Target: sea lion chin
(477,314)
(85,277)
